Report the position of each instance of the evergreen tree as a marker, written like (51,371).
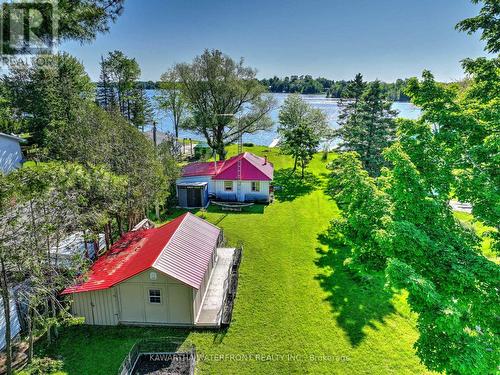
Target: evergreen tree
(141,109)
(105,91)
(367,124)
(48,93)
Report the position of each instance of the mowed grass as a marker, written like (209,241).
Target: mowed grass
(481,230)
(297,311)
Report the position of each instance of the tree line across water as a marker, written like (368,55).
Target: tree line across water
(306,84)
(93,170)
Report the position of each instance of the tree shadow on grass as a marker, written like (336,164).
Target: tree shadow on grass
(289,186)
(356,302)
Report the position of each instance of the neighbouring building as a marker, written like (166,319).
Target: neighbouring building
(201,150)
(171,275)
(244,178)
(11,156)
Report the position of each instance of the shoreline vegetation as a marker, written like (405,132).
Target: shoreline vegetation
(307,85)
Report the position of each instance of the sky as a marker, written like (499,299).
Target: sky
(382,39)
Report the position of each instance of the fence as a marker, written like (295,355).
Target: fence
(231,285)
(167,346)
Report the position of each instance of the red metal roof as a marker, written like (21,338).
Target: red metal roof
(181,249)
(253,168)
(199,169)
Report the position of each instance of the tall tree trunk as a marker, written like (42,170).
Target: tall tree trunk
(54,314)
(30,334)
(295,164)
(85,243)
(6,311)
(110,233)
(119,223)
(303,165)
(221,151)
(157,210)
(96,246)
(49,328)
(106,236)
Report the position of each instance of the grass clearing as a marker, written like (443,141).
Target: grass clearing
(480,229)
(297,310)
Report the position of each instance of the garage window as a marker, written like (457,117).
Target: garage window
(154,296)
(228,185)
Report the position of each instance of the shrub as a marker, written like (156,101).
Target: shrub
(248,144)
(43,366)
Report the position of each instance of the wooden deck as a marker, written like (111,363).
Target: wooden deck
(211,310)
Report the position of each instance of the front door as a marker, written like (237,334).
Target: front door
(155,304)
(194,197)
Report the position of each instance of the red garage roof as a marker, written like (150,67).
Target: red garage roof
(181,249)
(253,168)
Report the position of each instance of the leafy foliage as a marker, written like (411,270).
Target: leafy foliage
(224,99)
(395,223)
(463,125)
(488,21)
(301,130)
(47,94)
(170,99)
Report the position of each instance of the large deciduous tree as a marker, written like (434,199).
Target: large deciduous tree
(487,21)
(103,138)
(401,222)
(465,127)
(224,99)
(394,223)
(41,204)
(301,129)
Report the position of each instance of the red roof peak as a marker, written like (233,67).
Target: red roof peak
(253,167)
(137,251)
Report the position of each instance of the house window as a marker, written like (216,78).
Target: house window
(154,296)
(255,185)
(228,185)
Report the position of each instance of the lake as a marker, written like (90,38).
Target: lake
(328,105)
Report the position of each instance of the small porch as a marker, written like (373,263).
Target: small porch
(216,300)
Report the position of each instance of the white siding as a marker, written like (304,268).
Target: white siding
(15,327)
(246,188)
(176,307)
(211,188)
(200,293)
(10,154)
(97,307)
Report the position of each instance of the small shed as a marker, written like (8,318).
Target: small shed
(158,276)
(192,194)
(201,150)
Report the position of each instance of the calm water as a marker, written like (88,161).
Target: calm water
(328,105)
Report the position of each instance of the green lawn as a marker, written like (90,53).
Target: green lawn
(468,220)
(297,311)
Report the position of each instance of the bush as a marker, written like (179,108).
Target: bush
(43,366)
(248,144)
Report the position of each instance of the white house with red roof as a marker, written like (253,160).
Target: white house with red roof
(244,178)
(171,275)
